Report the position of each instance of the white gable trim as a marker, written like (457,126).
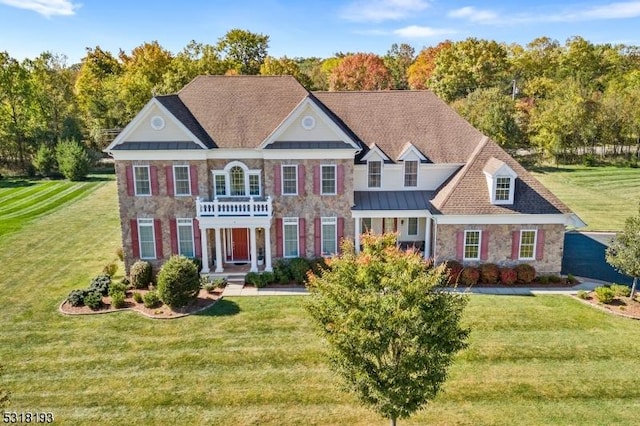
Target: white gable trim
(374,149)
(568,219)
(141,116)
(296,113)
(410,148)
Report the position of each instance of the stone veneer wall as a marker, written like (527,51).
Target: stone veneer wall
(500,241)
(161,206)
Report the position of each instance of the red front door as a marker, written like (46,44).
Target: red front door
(240,243)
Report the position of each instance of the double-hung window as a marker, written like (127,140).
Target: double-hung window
(328,179)
(410,173)
(527,249)
(366,225)
(329,235)
(472,245)
(182,180)
(142,180)
(412,226)
(374,172)
(290,236)
(503,188)
(146,239)
(185,237)
(289,180)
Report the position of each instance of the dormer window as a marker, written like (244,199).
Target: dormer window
(501,181)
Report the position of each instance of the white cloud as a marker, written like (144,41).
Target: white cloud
(619,10)
(415,31)
(474,15)
(45,7)
(382,10)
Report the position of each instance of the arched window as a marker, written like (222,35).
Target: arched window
(237,181)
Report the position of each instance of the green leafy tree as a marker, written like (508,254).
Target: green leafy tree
(284,66)
(73,159)
(45,160)
(420,71)
(624,253)
(243,50)
(194,60)
(391,328)
(398,59)
(360,71)
(178,281)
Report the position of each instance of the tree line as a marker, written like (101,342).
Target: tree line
(560,101)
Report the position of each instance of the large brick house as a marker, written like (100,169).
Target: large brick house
(248,169)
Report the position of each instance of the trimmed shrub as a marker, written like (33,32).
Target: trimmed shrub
(73,160)
(140,274)
(621,290)
(543,279)
(268,278)
(76,297)
(454,269)
(137,297)
(555,279)
(469,276)
(282,272)
(208,286)
(110,269)
(571,279)
(508,276)
(489,273)
(260,282)
(117,299)
(298,268)
(198,262)
(525,273)
(605,294)
(582,295)
(220,282)
(45,161)
(151,300)
(100,284)
(117,288)
(93,300)
(178,281)
(253,278)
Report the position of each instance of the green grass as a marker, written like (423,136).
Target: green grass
(603,197)
(22,200)
(249,361)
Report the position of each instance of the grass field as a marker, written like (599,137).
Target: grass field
(603,197)
(249,361)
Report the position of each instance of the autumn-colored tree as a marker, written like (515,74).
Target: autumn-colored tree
(243,50)
(420,71)
(398,59)
(361,71)
(284,66)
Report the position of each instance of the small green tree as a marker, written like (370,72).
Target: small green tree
(392,330)
(178,281)
(624,253)
(73,160)
(45,161)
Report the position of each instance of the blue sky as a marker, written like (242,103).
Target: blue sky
(305,28)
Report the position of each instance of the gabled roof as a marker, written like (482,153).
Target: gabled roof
(241,111)
(390,119)
(466,191)
(174,105)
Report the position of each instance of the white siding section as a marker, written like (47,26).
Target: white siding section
(376,225)
(321,131)
(144,132)
(430,177)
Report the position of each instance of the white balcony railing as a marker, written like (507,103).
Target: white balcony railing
(217,208)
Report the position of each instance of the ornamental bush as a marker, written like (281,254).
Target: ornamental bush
(110,269)
(298,268)
(137,297)
(605,294)
(100,284)
(453,268)
(93,300)
(282,271)
(117,288)
(140,274)
(178,281)
(76,297)
(268,278)
(525,273)
(489,273)
(508,276)
(117,299)
(253,278)
(469,276)
(621,290)
(73,160)
(151,299)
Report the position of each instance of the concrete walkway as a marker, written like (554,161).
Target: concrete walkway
(587,284)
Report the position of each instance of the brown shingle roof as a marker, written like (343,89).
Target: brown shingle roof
(241,111)
(390,119)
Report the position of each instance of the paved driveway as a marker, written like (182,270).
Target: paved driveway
(584,257)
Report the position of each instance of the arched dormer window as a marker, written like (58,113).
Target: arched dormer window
(236,180)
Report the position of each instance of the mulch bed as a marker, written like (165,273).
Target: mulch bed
(622,306)
(202,302)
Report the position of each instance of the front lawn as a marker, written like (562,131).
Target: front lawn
(257,360)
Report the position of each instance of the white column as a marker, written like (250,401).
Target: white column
(267,249)
(218,250)
(254,250)
(204,240)
(358,231)
(427,238)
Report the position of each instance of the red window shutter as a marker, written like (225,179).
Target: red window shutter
(460,245)
(193,171)
(135,243)
(277,179)
(340,232)
(484,245)
(169,175)
(515,245)
(130,185)
(157,227)
(301,179)
(154,180)
(173,231)
(340,179)
(540,245)
(279,234)
(197,238)
(317,236)
(316,179)
(302,234)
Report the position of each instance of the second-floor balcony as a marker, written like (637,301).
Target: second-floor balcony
(248,207)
